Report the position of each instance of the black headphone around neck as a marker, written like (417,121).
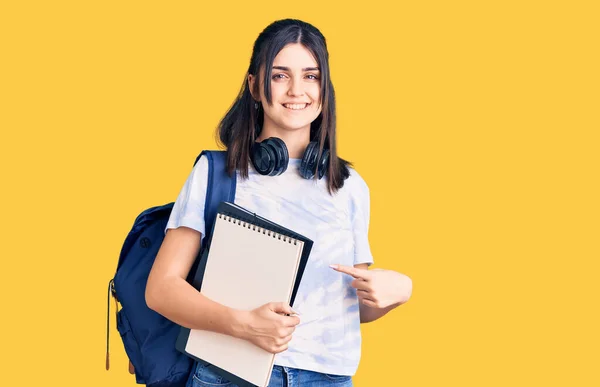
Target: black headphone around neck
(270,157)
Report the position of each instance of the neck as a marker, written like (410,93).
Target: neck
(296,141)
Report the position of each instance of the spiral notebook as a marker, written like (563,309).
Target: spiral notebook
(249,261)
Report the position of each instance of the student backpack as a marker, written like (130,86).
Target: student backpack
(148,337)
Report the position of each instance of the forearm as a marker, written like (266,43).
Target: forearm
(177,300)
(368,314)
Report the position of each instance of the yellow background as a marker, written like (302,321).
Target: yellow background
(475,125)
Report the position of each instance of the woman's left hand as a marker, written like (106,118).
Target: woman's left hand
(378,288)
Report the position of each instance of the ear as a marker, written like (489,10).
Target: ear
(251,80)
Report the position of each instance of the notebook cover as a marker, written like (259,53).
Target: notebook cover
(242,214)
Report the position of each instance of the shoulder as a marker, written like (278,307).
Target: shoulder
(356,191)
(197,178)
(200,170)
(356,184)
(201,164)
(358,195)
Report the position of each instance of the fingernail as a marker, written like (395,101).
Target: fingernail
(333,266)
(295,312)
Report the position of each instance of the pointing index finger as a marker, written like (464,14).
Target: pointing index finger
(354,272)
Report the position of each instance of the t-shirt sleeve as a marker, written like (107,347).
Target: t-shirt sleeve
(188,209)
(360,213)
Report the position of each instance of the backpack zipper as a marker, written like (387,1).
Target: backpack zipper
(111,292)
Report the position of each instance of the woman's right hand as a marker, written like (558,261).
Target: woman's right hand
(269,327)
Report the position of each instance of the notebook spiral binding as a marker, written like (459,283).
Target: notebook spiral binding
(258,229)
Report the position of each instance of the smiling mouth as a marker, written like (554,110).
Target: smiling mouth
(296,106)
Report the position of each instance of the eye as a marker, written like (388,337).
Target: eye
(315,77)
(277,76)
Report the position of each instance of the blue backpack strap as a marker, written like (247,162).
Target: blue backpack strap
(221,186)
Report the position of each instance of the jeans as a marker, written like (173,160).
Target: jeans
(203,376)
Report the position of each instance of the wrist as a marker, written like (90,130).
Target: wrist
(239,320)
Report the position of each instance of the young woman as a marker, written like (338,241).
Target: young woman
(287,95)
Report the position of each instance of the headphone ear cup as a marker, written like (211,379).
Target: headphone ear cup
(272,148)
(282,154)
(263,158)
(323,163)
(307,167)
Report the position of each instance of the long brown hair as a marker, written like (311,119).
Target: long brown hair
(242,123)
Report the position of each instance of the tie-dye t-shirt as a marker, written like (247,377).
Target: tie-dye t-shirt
(328,337)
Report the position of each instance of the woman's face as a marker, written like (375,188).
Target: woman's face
(295,90)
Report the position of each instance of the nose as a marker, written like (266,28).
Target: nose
(296,87)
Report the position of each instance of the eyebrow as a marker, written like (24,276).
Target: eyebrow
(288,69)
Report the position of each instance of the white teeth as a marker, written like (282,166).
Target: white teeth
(296,106)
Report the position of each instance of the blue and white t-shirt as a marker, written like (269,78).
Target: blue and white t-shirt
(328,337)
